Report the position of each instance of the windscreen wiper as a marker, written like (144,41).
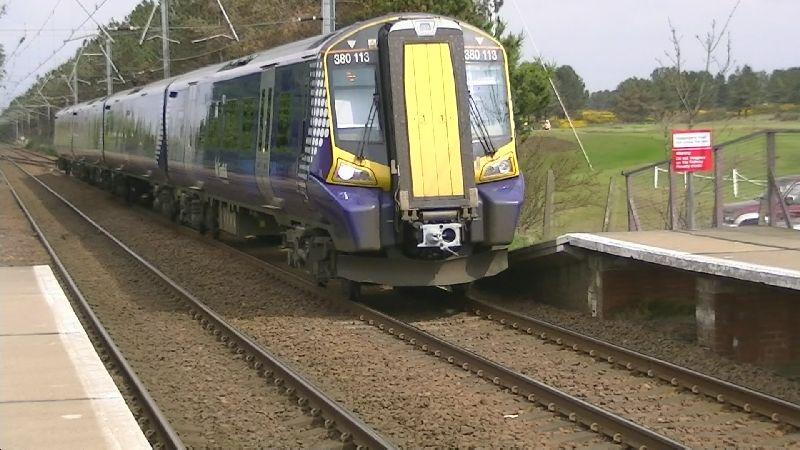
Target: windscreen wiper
(480,126)
(373,111)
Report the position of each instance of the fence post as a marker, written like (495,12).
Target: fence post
(549,194)
(718,175)
(633,218)
(786,217)
(673,216)
(690,210)
(771,178)
(609,204)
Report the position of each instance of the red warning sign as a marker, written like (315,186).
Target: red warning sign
(692,151)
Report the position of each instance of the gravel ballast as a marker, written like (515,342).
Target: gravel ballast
(413,399)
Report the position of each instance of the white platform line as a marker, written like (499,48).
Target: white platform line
(95,379)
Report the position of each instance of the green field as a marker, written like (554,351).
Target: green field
(614,148)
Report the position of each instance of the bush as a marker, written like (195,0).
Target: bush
(788,116)
(564,123)
(598,117)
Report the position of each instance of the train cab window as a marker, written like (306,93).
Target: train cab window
(487,88)
(353,99)
(356,109)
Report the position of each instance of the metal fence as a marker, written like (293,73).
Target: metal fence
(756,168)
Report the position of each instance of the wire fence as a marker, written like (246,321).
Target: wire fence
(756,180)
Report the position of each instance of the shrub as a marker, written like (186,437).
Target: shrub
(594,116)
(564,123)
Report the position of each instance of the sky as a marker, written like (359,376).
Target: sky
(605,42)
(59,17)
(609,41)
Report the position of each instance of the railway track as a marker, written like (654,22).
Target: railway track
(396,328)
(573,411)
(618,429)
(750,401)
(30,158)
(351,430)
(155,425)
(576,410)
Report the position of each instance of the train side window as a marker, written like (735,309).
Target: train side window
(232,116)
(267,121)
(249,117)
(292,84)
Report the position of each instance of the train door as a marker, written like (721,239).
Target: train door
(266,95)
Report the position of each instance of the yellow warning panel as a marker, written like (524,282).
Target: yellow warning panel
(432,113)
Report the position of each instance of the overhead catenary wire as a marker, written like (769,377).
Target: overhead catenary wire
(18,82)
(64,44)
(553,85)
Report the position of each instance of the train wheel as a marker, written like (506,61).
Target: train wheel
(353,290)
(460,290)
(210,223)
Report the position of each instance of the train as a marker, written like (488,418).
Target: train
(382,153)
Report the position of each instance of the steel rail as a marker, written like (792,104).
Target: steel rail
(165,431)
(31,154)
(31,162)
(749,400)
(619,429)
(352,429)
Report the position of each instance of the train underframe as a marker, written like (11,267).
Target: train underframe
(307,248)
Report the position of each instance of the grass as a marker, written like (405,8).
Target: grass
(617,147)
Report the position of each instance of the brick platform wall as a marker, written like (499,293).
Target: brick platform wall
(749,321)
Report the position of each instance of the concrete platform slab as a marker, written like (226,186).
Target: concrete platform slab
(768,236)
(54,390)
(69,426)
(742,255)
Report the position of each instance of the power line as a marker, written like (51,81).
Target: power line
(64,44)
(553,85)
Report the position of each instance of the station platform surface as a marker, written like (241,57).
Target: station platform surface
(757,254)
(55,391)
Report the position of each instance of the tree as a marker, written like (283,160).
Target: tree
(531,94)
(601,99)
(784,86)
(695,89)
(476,12)
(634,100)
(746,89)
(721,91)
(572,89)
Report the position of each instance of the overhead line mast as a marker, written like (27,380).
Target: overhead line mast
(328,16)
(165,36)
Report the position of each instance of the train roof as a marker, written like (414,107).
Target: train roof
(282,54)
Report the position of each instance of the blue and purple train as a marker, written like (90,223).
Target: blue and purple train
(382,153)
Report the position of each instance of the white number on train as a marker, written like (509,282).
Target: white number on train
(342,58)
(474,54)
(348,58)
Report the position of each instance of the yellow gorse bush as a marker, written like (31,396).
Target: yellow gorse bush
(577,123)
(594,116)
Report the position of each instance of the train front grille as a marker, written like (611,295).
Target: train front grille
(432,114)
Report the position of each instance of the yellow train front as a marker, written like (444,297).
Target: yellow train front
(420,110)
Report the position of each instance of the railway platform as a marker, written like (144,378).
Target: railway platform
(743,283)
(54,390)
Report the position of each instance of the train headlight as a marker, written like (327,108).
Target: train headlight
(353,174)
(499,169)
